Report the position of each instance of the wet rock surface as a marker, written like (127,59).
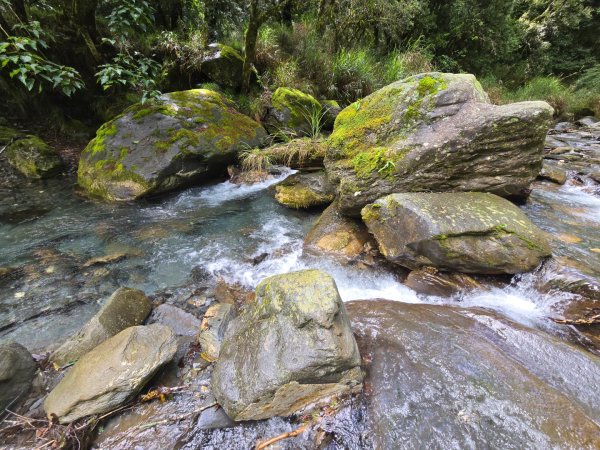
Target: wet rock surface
(467,232)
(112,373)
(434,132)
(438,374)
(431,281)
(290,348)
(339,236)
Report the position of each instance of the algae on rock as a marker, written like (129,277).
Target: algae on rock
(33,157)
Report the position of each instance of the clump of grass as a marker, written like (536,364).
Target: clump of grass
(567,101)
(352,75)
(255,160)
(404,63)
(297,152)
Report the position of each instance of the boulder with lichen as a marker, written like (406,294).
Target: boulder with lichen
(290,348)
(434,132)
(181,138)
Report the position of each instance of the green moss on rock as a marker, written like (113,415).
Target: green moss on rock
(293,112)
(182,137)
(33,157)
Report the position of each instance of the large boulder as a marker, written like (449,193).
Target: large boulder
(446,377)
(125,308)
(223,65)
(434,132)
(183,137)
(290,348)
(17,369)
(305,190)
(112,373)
(469,232)
(292,112)
(344,238)
(33,157)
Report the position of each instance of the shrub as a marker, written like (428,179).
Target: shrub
(352,73)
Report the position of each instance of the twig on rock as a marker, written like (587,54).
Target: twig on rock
(289,434)
(594,320)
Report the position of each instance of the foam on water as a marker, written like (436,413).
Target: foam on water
(275,247)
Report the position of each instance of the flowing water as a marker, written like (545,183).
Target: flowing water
(238,233)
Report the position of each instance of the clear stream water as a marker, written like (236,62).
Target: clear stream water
(49,232)
(239,233)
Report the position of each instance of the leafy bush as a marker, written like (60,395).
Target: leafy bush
(352,73)
(22,57)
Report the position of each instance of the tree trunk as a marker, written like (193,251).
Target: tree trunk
(83,16)
(18,7)
(254,23)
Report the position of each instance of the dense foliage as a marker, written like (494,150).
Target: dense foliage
(93,50)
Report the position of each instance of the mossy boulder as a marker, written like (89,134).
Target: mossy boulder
(223,65)
(468,232)
(305,190)
(290,348)
(112,373)
(33,158)
(125,308)
(292,112)
(434,132)
(182,138)
(344,238)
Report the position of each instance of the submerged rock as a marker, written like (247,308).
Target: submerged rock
(342,237)
(292,112)
(435,132)
(304,190)
(33,157)
(430,281)
(464,231)
(292,347)
(17,369)
(182,138)
(125,308)
(112,373)
(440,375)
